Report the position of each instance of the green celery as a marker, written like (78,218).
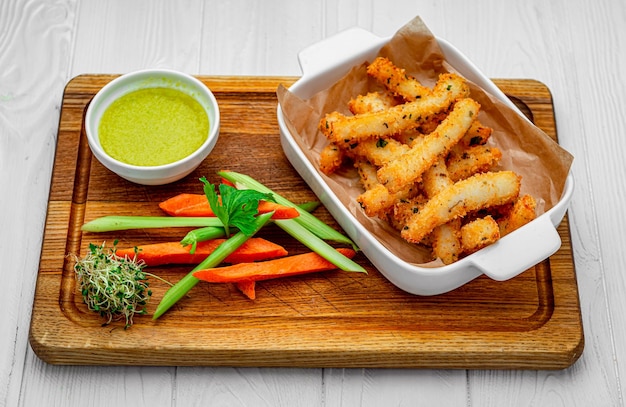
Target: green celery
(185,284)
(207,233)
(113,223)
(200,235)
(309,206)
(312,223)
(313,242)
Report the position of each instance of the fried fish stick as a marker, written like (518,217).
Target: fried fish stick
(396,80)
(371,102)
(331,158)
(474,193)
(478,234)
(367,174)
(402,210)
(477,134)
(446,244)
(522,212)
(472,160)
(446,241)
(376,199)
(348,130)
(436,178)
(378,151)
(409,137)
(410,166)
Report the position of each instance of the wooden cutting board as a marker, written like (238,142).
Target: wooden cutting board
(331,319)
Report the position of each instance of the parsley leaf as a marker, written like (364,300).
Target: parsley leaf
(235,207)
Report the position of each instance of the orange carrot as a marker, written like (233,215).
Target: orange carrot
(285,267)
(247,287)
(181,202)
(156,254)
(198,205)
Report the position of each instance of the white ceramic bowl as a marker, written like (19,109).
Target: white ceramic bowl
(152,78)
(326,62)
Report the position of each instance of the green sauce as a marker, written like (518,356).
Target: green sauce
(153,126)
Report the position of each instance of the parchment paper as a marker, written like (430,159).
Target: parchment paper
(526,149)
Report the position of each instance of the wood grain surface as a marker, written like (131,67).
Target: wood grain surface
(331,319)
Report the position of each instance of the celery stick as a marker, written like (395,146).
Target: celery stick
(185,284)
(310,240)
(207,233)
(309,206)
(200,235)
(113,223)
(319,228)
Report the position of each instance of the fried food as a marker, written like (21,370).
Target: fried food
(471,194)
(425,164)
(522,212)
(479,233)
(472,160)
(379,151)
(348,131)
(411,165)
(376,199)
(371,102)
(331,158)
(396,80)
(446,243)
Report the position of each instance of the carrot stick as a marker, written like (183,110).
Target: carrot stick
(265,270)
(197,205)
(227,182)
(254,249)
(247,287)
(182,287)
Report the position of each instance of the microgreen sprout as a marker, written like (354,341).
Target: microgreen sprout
(115,287)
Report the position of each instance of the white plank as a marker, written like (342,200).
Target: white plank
(394,387)
(261,387)
(123,36)
(48,385)
(257,38)
(35,40)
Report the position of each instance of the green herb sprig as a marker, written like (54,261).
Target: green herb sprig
(235,207)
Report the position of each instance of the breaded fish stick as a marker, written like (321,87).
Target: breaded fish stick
(472,160)
(523,211)
(474,193)
(410,166)
(349,130)
(379,151)
(377,199)
(445,238)
(331,158)
(396,80)
(371,102)
(479,233)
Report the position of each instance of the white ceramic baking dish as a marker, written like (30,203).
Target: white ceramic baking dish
(323,64)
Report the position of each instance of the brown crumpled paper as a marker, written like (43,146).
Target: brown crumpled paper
(527,150)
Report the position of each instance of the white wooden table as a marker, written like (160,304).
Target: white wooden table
(576,47)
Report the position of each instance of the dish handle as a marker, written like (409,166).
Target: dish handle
(517,252)
(330,59)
